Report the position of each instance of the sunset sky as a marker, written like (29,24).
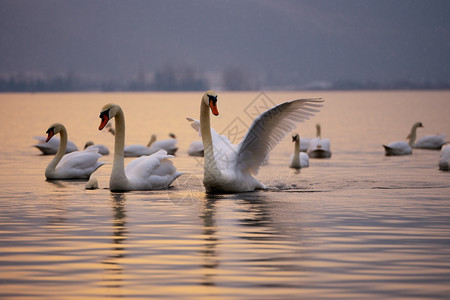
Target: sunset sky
(287,41)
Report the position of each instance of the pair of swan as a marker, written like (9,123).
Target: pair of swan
(426,142)
(74,165)
(318,147)
(153,146)
(298,159)
(401,147)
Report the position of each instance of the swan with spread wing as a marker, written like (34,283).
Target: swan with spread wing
(231,168)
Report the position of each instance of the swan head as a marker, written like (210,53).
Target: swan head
(418,124)
(52,130)
(88,144)
(210,99)
(108,112)
(295,137)
(172,135)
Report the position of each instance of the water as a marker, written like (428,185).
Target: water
(357,226)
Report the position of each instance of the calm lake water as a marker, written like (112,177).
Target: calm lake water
(359,225)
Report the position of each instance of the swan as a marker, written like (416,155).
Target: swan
(151,172)
(102,149)
(153,146)
(75,165)
(444,158)
(318,147)
(430,142)
(401,147)
(196,147)
(230,168)
(51,147)
(298,159)
(168,144)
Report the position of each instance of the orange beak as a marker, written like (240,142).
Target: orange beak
(50,135)
(213,107)
(104,121)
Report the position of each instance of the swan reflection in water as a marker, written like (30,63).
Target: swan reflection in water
(113,267)
(241,250)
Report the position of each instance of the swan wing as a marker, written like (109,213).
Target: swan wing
(85,160)
(195,124)
(269,128)
(155,171)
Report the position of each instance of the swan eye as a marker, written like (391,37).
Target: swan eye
(212,99)
(104,113)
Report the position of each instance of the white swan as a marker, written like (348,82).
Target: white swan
(430,142)
(75,165)
(196,147)
(168,144)
(318,147)
(444,158)
(51,147)
(144,173)
(230,168)
(102,149)
(298,159)
(153,146)
(403,148)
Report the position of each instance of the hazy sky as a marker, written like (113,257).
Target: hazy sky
(300,41)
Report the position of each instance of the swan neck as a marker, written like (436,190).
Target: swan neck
(119,144)
(413,135)
(152,140)
(318,131)
(59,154)
(297,147)
(205,129)
(295,163)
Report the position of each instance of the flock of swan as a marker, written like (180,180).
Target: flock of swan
(228,168)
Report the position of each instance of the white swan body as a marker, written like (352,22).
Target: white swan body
(403,148)
(298,159)
(102,149)
(51,147)
(196,149)
(444,158)
(168,144)
(318,147)
(153,146)
(75,165)
(430,142)
(230,168)
(151,172)
(136,150)
(397,148)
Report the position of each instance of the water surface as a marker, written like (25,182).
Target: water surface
(357,226)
